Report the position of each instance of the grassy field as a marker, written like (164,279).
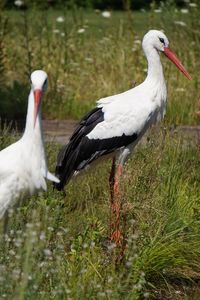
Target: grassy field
(57,246)
(88,57)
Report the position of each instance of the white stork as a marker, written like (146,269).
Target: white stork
(118,122)
(23,166)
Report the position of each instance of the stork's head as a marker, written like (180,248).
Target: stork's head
(39,82)
(157,39)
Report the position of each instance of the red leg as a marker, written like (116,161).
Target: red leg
(112,183)
(112,179)
(116,235)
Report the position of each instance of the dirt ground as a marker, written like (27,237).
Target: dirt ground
(59,131)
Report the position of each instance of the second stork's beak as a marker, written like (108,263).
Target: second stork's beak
(37,101)
(172,56)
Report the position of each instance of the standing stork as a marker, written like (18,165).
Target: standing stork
(117,124)
(23,166)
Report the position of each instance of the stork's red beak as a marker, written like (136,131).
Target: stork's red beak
(172,56)
(37,101)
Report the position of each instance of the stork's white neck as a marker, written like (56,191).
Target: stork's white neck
(33,133)
(155,70)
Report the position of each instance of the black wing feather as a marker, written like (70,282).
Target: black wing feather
(81,151)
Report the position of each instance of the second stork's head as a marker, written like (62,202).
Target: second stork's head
(39,82)
(155,39)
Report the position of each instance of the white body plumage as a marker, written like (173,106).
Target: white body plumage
(135,110)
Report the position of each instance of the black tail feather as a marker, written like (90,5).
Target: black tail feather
(71,155)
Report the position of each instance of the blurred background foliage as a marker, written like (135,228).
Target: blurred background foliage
(98,4)
(94,51)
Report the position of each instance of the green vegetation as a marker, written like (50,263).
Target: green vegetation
(88,57)
(57,247)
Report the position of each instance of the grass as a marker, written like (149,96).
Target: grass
(57,244)
(103,60)
(57,247)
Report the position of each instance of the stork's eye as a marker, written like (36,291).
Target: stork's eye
(162,40)
(45,83)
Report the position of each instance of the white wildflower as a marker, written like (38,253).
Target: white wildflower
(181,23)
(29,225)
(18,3)
(67,291)
(81,30)
(139,286)
(180,90)
(184,11)
(60,19)
(62,34)
(92,244)
(142,274)
(132,221)
(98,286)
(106,14)
(47,252)
(63,228)
(137,42)
(85,245)
(128,264)
(111,246)
(105,38)
(89,59)
(101,294)
(83,271)
(42,236)
(18,242)
(56,31)
(146,295)
(192,4)
(50,228)
(12,252)
(42,264)
(59,233)
(158,11)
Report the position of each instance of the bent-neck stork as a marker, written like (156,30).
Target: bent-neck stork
(118,123)
(23,166)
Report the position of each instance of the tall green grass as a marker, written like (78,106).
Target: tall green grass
(57,244)
(105,59)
